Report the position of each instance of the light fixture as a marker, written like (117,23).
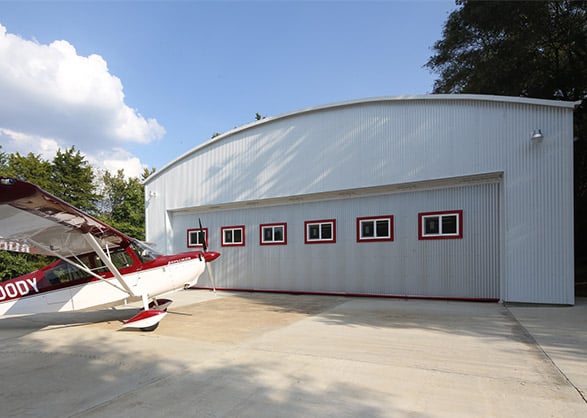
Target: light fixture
(537,135)
(152,194)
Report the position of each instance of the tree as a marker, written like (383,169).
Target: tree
(527,48)
(147,173)
(72,180)
(16,264)
(31,168)
(522,48)
(123,204)
(3,161)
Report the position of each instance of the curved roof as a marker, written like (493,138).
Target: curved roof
(430,97)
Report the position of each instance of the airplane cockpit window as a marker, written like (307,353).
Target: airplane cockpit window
(65,272)
(144,252)
(119,257)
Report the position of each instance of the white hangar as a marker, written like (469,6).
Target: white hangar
(438,196)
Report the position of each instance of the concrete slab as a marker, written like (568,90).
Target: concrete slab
(561,332)
(267,355)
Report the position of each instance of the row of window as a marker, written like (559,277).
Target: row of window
(431,225)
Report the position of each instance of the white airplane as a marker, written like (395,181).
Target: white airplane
(96,265)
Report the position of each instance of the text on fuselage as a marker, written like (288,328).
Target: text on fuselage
(18,289)
(181,260)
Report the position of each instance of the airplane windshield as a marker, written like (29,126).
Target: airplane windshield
(144,252)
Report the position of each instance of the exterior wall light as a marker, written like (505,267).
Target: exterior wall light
(537,135)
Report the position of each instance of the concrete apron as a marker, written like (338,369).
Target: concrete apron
(268,355)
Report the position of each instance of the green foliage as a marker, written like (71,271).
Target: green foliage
(72,180)
(147,173)
(3,160)
(121,199)
(31,168)
(17,264)
(522,48)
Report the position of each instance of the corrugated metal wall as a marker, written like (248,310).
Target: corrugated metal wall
(394,141)
(538,211)
(460,268)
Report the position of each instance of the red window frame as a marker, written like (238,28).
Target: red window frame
(235,227)
(331,240)
(263,242)
(205,230)
(440,235)
(375,238)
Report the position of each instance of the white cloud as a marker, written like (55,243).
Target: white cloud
(120,159)
(52,97)
(12,142)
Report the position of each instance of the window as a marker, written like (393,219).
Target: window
(63,272)
(197,237)
(121,259)
(233,236)
(144,252)
(440,225)
(320,232)
(273,234)
(375,228)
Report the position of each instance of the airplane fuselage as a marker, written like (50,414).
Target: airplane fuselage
(61,287)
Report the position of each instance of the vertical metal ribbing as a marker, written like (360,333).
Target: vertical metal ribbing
(464,268)
(386,142)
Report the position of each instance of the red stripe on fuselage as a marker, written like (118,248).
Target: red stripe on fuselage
(37,282)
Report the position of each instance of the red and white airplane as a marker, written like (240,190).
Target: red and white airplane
(96,265)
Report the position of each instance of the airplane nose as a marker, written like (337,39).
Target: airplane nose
(211,256)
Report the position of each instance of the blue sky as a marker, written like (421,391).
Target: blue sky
(138,83)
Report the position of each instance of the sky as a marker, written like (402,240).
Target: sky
(135,84)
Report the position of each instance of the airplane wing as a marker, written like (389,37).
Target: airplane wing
(32,220)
